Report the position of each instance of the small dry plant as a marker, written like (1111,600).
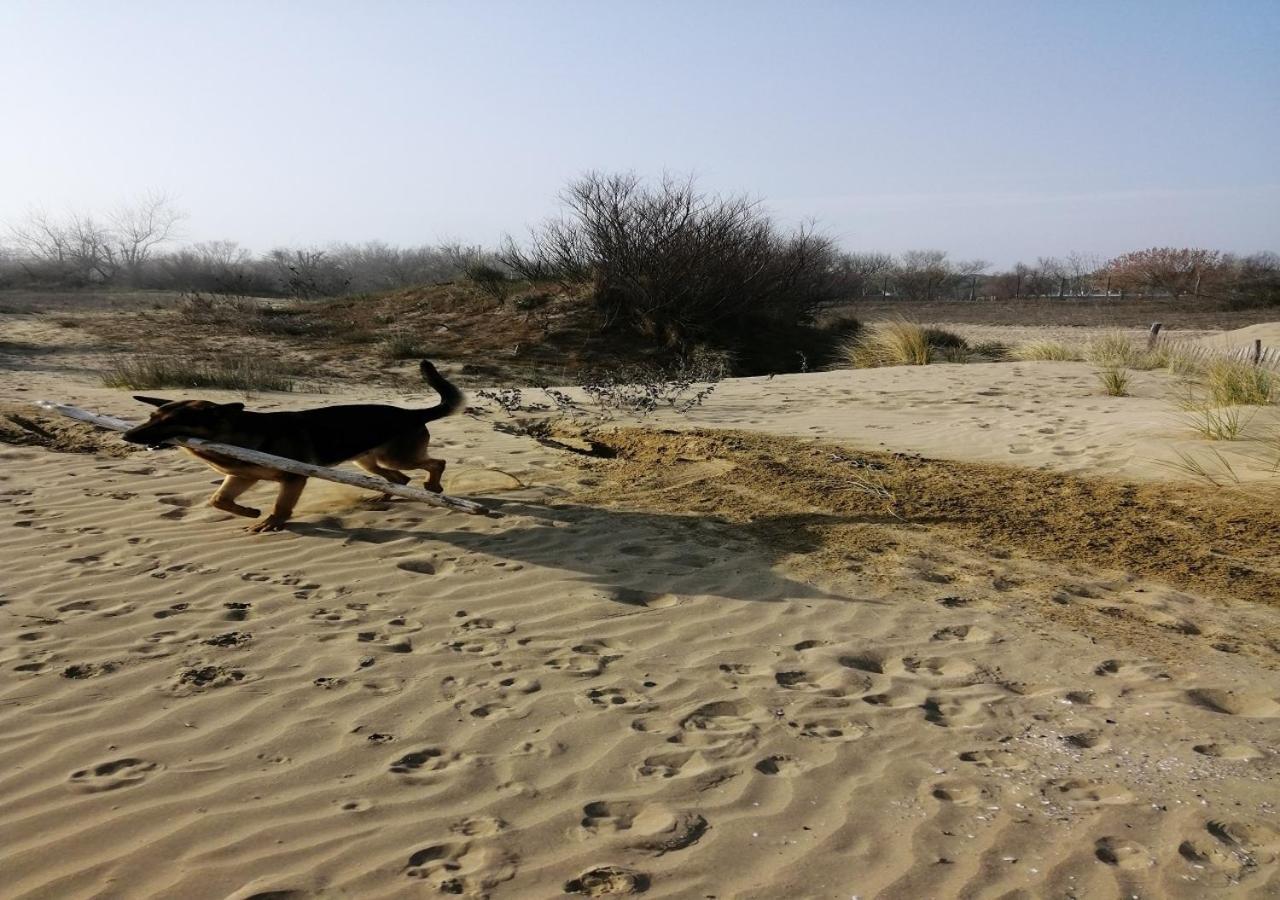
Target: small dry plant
(1046,351)
(1215,470)
(244,373)
(1233,382)
(1116,350)
(1213,424)
(1115,381)
(403,345)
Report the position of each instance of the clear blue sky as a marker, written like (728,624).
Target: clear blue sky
(1000,130)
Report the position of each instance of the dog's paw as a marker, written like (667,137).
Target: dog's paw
(270,523)
(433,488)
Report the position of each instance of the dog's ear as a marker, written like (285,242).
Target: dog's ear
(231,407)
(152,401)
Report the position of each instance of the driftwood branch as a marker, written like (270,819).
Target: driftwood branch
(353,479)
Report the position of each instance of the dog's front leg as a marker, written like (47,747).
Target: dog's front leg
(224,498)
(290,490)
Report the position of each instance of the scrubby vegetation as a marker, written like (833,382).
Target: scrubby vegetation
(235,373)
(682,268)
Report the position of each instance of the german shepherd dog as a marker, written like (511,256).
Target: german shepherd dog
(382,440)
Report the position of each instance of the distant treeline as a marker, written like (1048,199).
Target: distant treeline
(665,259)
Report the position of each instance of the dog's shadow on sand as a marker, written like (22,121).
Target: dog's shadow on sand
(636,558)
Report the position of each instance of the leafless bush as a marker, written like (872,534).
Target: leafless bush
(671,262)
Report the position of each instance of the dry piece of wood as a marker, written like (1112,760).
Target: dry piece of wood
(353,479)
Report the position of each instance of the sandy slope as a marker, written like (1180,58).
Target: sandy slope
(390,700)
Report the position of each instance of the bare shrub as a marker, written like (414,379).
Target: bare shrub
(676,264)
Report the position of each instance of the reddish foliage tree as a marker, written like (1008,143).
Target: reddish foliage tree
(1171,270)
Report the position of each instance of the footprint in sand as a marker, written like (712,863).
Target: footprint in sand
(995,759)
(1090,739)
(781,765)
(480,624)
(724,728)
(90,670)
(1250,704)
(461,868)
(1119,668)
(620,697)
(423,567)
(109,776)
(392,643)
(1089,793)
(197,679)
(830,729)
(1235,752)
(477,647)
(327,616)
(423,764)
(646,599)
(1123,853)
(479,826)
(832,684)
(608,880)
(959,791)
(669,765)
(657,828)
(587,659)
(962,633)
(1261,842)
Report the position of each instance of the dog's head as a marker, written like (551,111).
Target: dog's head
(182,419)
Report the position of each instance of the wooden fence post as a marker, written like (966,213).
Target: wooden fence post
(1154,335)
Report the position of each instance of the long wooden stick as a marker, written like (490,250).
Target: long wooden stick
(353,479)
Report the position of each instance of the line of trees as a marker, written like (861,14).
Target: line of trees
(136,246)
(666,259)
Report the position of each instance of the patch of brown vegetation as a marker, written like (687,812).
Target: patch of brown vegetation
(541,333)
(1132,312)
(833,503)
(29,426)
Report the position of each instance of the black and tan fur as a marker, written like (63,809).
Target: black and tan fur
(382,440)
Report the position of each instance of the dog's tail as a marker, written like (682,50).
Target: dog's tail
(451,399)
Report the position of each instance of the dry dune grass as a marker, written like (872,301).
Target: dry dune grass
(1232,382)
(1046,351)
(234,373)
(815,499)
(903,343)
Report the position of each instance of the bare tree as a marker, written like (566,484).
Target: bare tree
(79,249)
(139,228)
(929,275)
(861,274)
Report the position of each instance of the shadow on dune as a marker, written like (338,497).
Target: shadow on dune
(638,558)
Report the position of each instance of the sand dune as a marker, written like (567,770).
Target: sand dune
(608,699)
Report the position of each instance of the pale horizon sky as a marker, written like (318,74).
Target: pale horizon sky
(994,130)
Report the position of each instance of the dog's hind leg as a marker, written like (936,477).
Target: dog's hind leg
(407,452)
(290,490)
(224,498)
(371,465)
(435,469)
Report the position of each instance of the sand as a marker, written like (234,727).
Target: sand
(606,692)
